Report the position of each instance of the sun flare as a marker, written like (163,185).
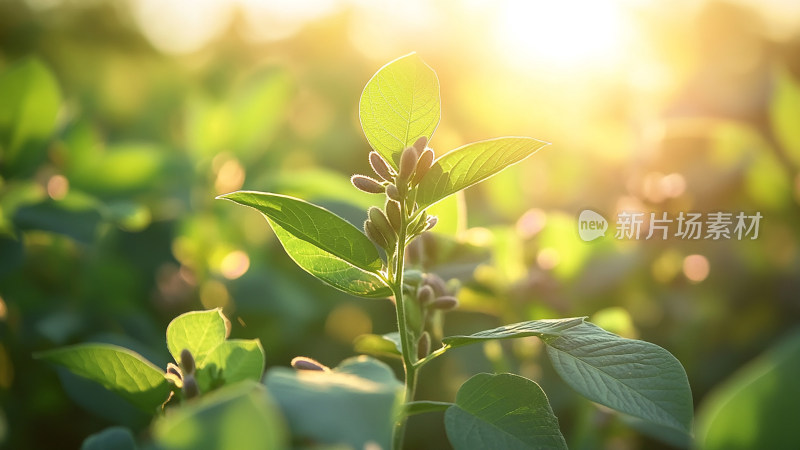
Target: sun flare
(566,33)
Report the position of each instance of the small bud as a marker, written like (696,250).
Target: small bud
(393,193)
(374,235)
(425,295)
(379,166)
(412,276)
(190,388)
(408,162)
(187,361)
(367,184)
(445,303)
(394,215)
(174,375)
(381,223)
(435,282)
(424,345)
(423,166)
(172,369)
(431,222)
(304,363)
(419,144)
(414,252)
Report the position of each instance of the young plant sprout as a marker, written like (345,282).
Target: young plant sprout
(360,403)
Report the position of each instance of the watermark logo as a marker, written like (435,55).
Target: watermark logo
(591,225)
(632,225)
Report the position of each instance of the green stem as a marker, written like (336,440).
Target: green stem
(402,326)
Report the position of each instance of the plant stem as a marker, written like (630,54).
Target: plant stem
(402,327)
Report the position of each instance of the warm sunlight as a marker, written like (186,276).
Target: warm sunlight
(566,34)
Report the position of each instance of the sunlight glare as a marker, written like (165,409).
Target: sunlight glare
(565,33)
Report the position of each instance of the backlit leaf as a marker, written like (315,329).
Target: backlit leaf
(400,104)
(200,332)
(502,411)
(471,164)
(117,369)
(314,225)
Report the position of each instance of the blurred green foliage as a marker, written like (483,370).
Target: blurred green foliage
(111,153)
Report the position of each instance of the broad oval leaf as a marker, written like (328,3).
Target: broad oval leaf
(757,406)
(539,328)
(232,361)
(117,369)
(400,103)
(241,416)
(353,404)
(635,377)
(329,268)
(112,438)
(314,225)
(200,332)
(31,99)
(502,411)
(379,344)
(471,164)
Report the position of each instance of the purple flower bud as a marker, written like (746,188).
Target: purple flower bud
(408,162)
(187,361)
(374,235)
(393,193)
(367,184)
(382,225)
(425,295)
(190,388)
(423,345)
(419,144)
(304,363)
(431,222)
(394,215)
(379,166)
(445,303)
(423,166)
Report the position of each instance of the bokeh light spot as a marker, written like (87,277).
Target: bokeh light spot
(57,187)
(214,294)
(531,222)
(230,177)
(234,264)
(696,268)
(548,258)
(346,322)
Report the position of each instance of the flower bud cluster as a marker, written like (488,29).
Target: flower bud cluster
(383,226)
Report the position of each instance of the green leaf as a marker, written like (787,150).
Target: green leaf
(379,345)
(232,361)
(424,406)
(471,164)
(329,268)
(502,411)
(241,416)
(118,369)
(634,377)
(30,102)
(352,404)
(400,103)
(539,328)
(200,332)
(314,225)
(112,438)
(631,376)
(757,407)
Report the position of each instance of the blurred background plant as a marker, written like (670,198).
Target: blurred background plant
(121,121)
